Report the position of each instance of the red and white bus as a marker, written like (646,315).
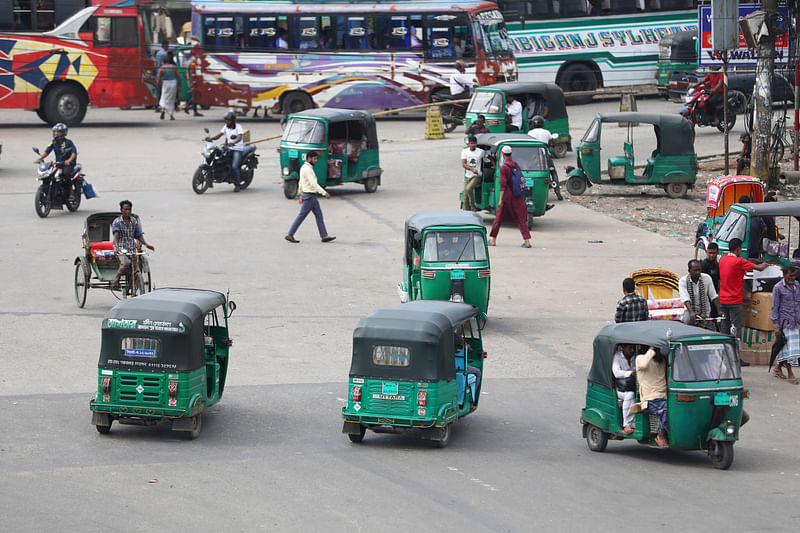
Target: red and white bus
(99,56)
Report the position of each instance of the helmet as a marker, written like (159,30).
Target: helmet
(684,110)
(538,121)
(230,115)
(459,65)
(744,136)
(60,130)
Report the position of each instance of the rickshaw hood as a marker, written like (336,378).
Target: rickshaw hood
(657,333)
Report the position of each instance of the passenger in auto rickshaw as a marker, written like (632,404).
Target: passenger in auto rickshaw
(651,372)
(473,373)
(625,383)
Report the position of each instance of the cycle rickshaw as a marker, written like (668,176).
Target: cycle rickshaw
(98,266)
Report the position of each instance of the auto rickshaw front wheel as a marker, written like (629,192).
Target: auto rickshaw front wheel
(721,454)
(358,437)
(676,190)
(576,186)
(290,189)
(596,438)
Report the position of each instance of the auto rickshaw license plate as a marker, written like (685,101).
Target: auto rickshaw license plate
(389,387)
(457,274)
(722,398)
(529,182)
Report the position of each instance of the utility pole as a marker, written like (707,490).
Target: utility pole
(762,93)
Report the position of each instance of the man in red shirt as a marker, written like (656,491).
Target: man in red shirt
(731,277)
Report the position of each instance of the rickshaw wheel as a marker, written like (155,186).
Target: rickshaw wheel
(576,186)
(200,181)
(371,184)
(444,438)
(676,190)
(105,430)
(247,177)
(358,437)
(560,151)
(596,438)
(290,189)
(81,285)
(197,426)
(41,202)
(721,454)
(697,247)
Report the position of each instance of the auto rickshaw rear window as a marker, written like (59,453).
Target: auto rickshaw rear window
(704,362)
(454,246)
(391,356)
(486,102)
(304,131)
(144,347)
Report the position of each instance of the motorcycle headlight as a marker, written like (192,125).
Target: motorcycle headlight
(285,171)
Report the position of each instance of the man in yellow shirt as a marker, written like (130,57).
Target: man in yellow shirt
(309,188)
(651,372)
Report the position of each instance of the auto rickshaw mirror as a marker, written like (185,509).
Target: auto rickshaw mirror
(35,149)
(231,307)
(205,130)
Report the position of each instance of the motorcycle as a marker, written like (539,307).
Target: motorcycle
(453,114)
(701,114)
(217,166)
(54,190)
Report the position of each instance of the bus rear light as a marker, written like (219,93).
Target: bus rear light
(172,389)
(357,393)
(422,398)
(105,385)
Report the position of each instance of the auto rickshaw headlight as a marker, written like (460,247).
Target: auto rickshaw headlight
(285,171)
(731,429)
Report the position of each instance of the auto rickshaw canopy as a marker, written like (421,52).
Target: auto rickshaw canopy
(772,209)
(423,327)
(334,115)
(674,134)
(416,223)
(173,317)
(657,333)
(557,109)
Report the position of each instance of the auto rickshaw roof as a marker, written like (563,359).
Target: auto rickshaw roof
(674,134)
(658,333)
(772,209)
(427,219)
(495,139)
(173,304)
(552,92)
(425,327)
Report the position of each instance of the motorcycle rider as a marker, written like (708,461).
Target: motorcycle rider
(540,134)
(65,154)
(234,134)
(713,84)
(461,85)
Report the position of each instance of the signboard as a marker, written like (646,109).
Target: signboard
(742,56)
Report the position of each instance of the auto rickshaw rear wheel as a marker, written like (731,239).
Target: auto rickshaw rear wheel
(290,189)
(596,438)
(444,436)
(676,190)
(371,184)
(358,437)
(576,186)
(103,429)
(197,426)
(721,453)
(560,150)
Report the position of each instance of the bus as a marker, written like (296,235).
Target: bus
(99,56)
(287,56)
(585,44)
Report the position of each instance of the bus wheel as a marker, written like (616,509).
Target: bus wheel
(65,104)
(41,114)
(296,102)
(578,78)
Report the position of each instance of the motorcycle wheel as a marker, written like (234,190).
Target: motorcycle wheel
(450,126)
(41,202)
(200,181)
(75,203)
(246,177)
(731,123)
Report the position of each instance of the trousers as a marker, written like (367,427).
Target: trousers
(627,398)
(310,205)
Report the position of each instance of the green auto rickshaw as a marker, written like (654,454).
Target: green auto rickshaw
(446,258)
(163,356)
(535,97)
(756,243)
(346,140)
(677,52)
(415,366)
(534,160)
(672,165)
(704,389)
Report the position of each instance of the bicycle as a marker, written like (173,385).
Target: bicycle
(136,282)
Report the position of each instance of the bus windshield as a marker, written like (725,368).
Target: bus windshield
(495,37)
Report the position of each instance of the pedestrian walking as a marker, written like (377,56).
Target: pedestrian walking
(309,189)
(168,81)
(632,307)
(472,163)
(510,206)
(786,319)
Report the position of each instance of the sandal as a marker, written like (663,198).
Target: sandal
(778,374)
(793,381)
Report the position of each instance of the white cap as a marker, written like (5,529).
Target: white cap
(506,149)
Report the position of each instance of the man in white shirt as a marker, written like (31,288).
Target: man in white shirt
(514,111)
(538,132)
(234,138)
(698,294)
(472,163)
(309,189)
(282,36)
(625,383)
(461,85)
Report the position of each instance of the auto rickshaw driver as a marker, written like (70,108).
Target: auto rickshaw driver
(473,373)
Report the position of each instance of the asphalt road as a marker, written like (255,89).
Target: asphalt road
(271,455)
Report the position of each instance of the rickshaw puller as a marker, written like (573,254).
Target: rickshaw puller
(509,204)
(651,372)
(126,230)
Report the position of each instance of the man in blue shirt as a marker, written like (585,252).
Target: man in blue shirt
(127,233)
(65,153)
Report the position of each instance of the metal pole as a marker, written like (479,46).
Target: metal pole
(796,96)
(725,108)
(762,95)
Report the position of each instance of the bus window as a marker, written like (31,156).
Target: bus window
(304,33)
(327,40)
(117,32)
(399,37)
(262,32)
(415,31)
(359,34)
(440,41)
(220,33)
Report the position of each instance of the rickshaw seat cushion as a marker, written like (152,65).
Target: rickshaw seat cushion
(100,250)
